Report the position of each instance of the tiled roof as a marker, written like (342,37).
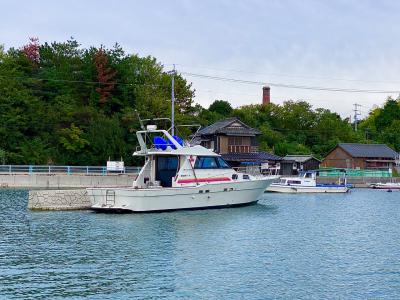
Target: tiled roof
(223,126)
(251,157)
(300,158)
(368,150)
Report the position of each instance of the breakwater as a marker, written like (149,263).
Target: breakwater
(58,200)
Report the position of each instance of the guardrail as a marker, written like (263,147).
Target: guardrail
(67,170)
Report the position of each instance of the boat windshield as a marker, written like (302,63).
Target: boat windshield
(210,162)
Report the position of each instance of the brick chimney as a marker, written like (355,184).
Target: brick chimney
(266,99)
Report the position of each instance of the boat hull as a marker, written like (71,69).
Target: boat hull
(208,195)
(386,186)
(306,189)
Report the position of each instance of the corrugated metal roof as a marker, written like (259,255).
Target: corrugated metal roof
(251,157)
(223,126)
(300,158)
(368,150)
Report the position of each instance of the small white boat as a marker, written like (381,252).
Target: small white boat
(306,183)
(179,176)
(386,186)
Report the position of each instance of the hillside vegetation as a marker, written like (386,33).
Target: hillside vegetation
(64,104)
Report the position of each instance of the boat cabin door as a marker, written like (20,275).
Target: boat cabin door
(166,168)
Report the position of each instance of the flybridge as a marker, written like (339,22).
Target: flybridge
(163,141)
(155,141)
(151,139)
(163,144)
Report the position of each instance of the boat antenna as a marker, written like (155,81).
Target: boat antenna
(172,73)
(140,120)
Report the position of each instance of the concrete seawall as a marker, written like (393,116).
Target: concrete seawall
(63,181)
(62,191)
(358,182)
(58,200)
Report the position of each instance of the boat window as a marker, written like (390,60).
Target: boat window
(283,181)
(167,163)
(166,168)
(294,182)
(222,163)
(206,162)
(210,162)
(308,175)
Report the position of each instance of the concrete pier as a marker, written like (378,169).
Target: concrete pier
(64,181)
(58,200)
(62,191)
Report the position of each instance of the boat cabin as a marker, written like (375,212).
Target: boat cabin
(304,179)
(170,162)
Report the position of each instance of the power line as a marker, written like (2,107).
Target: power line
(234,80)
(290,76)
(291,86)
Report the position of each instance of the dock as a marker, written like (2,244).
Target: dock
(63,177)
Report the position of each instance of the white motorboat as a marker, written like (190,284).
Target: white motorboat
(386,186)
(306,183)
(179,176)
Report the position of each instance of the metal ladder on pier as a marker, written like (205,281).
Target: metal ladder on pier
(110,197)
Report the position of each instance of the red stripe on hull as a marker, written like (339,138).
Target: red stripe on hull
(215,179)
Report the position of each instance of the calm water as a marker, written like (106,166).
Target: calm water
(286,247)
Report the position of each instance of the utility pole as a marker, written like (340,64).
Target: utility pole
(357,113)
(173,100)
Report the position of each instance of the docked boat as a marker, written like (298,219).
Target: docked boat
(386,186)
(306,182)
(177,175)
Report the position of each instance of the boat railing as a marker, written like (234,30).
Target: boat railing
(65,170)
(254,171)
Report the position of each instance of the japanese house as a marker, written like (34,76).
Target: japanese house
(293,164)
(361,156)
(237,144)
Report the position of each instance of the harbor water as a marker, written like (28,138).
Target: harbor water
(327,246)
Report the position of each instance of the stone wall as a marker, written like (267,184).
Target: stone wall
(58,200)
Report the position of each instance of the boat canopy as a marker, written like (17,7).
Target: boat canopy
(186,150)
(166,144)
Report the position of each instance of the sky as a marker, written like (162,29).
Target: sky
(335,44)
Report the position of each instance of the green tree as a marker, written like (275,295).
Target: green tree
(72,138)
(390,135)
(221,107)
(389,112)
(382,124)
(2,156)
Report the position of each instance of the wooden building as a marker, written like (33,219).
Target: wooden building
(236,142)
(361,156)
(298,163)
